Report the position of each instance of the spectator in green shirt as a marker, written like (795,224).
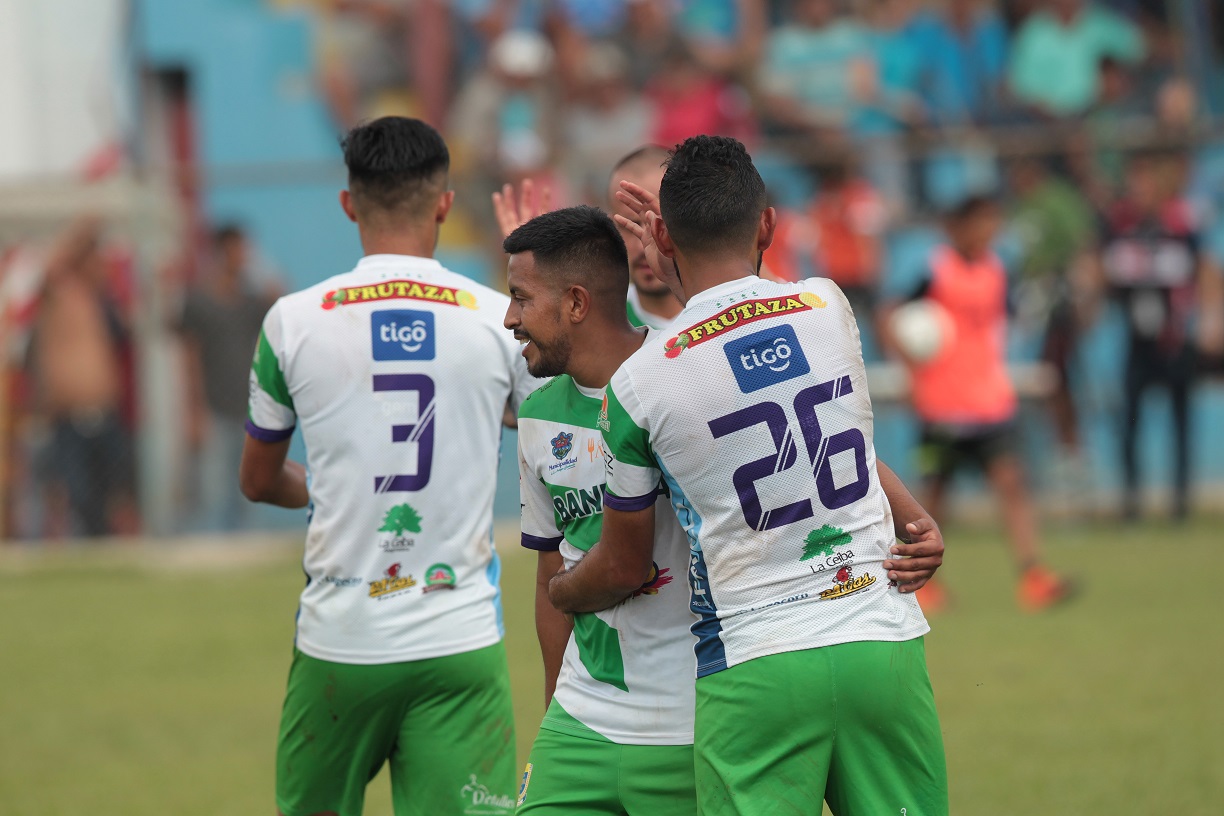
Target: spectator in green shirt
(1057,54)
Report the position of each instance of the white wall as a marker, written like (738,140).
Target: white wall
(60,88)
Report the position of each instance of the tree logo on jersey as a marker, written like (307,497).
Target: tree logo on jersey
(657,579)
(399,290)
(391,583)
(820,549)
(562,444)
(844,583)
(439,576)
(401,519)
(739,315)
(823,541)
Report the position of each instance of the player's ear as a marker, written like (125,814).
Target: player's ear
(662,237)
(766,229)
(445,202)
(577,304)
(346,204)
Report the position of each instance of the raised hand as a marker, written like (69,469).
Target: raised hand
(512,215)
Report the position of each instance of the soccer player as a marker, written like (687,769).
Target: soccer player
(399,373)
(811,674)
(649,302)
(618,733)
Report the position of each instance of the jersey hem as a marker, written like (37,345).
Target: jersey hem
(886,637)
(588,733)
(405,656)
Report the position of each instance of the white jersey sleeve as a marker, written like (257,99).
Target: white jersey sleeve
(271,417)
(540,531)
(632,470)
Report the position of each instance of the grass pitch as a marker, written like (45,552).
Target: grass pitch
(136,683)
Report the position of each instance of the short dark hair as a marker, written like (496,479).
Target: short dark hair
(712,196)
(395,164)
(577,245)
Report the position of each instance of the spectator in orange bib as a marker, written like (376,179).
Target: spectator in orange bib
(965,399)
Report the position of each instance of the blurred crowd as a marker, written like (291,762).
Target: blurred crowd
(1089,125)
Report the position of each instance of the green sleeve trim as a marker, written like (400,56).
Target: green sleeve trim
(268,372)
(629,442)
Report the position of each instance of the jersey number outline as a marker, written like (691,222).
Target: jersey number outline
(820,450)
(420,433)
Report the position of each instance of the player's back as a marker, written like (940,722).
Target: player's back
(399,373)
(757,413)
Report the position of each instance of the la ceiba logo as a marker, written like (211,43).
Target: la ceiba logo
(401,519)
(823,541)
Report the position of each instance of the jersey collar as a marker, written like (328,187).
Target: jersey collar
(397,263)
(721,290)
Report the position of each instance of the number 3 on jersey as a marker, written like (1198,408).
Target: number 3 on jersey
(420,433)
(820,450)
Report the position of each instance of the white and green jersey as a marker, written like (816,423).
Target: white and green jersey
(755,412)
(639,316)
(399,374)
(627,671)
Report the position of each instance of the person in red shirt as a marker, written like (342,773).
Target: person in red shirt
(965,399)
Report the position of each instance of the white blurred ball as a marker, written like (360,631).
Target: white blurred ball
(921,328)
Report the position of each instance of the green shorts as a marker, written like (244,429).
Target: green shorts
(446,725)
(578,772)
(854,724)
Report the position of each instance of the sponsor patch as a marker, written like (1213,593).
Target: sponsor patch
(657,579)
(398,290)
(844,583)
(739,315)
(562,444)
(391,583)
(478,800)
(766,358)
(439,576)
(402,334)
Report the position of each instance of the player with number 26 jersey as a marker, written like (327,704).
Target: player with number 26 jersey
(799,412)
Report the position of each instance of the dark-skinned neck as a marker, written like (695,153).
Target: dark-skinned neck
(418,240)
(701,273)
(601,347)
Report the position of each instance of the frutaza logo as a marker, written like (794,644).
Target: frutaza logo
(766,358)
(402,334)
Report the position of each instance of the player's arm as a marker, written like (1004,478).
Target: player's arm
(614,569)
(620,563)
(553,627)
(267,475)
(921,552)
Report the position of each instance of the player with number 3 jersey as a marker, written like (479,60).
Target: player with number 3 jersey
(811,675)
(399,374)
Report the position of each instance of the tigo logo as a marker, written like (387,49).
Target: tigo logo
(402,334)
(766,358)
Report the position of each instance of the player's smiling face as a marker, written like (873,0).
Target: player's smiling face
(534,315)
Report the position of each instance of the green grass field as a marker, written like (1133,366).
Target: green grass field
(132,684)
